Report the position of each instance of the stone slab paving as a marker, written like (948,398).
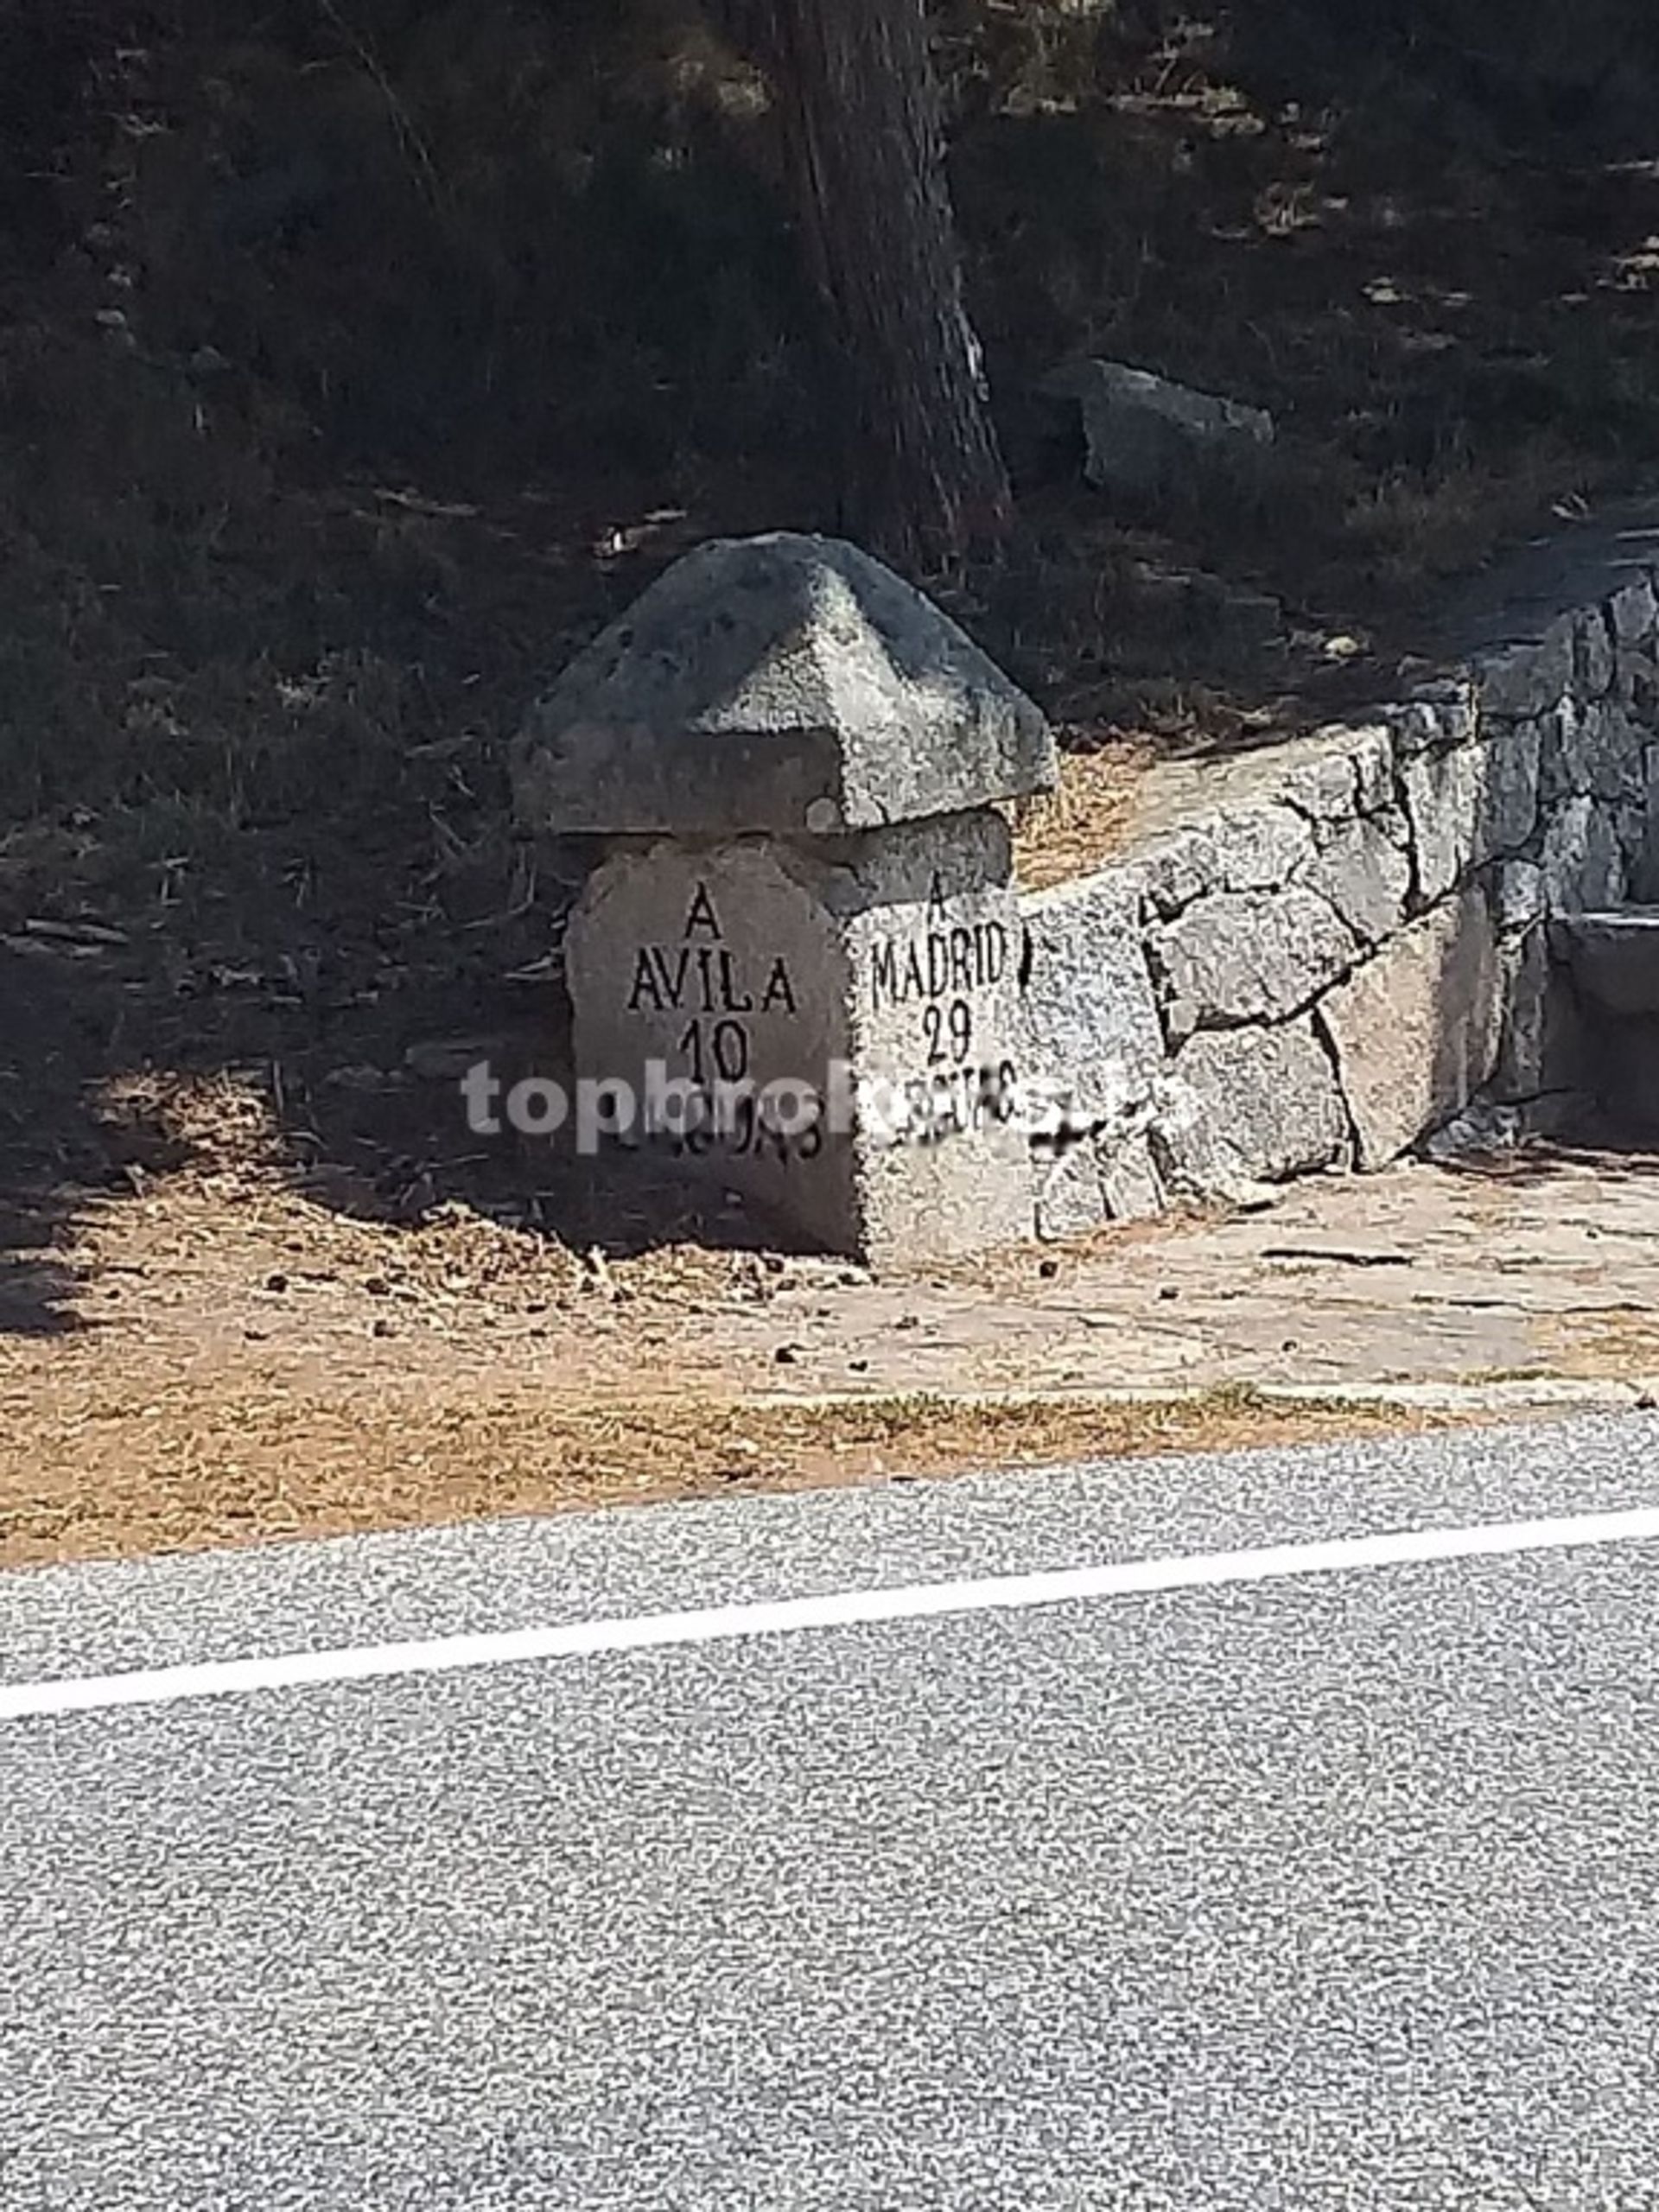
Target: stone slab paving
(1541,1265)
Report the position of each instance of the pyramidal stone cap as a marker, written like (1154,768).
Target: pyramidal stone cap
(780,683)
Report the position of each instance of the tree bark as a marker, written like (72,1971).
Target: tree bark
(923,478)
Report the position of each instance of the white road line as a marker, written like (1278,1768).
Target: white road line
(292,1670)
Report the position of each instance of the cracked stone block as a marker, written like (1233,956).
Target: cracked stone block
(1595,662)
(1636,685)
(1443,794)
(1508,813)
(1415,1031)
(1178,868)
(785,684)
(1593,746)
(1470,805)
(1373,760)
(1252,955)
(1259,847)
(1090,1022)
(1434,718)
(1620,769)
(1528,678)
(1338,771)
(846,1030)
(1582,858)
(1071,1197)
(1104,1179)
(1181,1020)
(1519,899)
(1635,827)
(1323,784)
(1129,1175)
(1633,612)
(1544,1048)
(1250,1106)
(1364,870)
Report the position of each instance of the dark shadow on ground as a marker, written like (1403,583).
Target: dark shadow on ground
(320,1040)
(1547,1161)
(44,1044)
(352,466)
(36,1293)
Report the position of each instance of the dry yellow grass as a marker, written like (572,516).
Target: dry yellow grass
(1082,823)
(183,1464)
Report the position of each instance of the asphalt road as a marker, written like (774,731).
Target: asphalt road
(1333,1884)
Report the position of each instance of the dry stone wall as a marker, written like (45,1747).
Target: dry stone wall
(1333,954)
(800,964)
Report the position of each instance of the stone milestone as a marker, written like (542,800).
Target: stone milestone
(800,955)
(784,683)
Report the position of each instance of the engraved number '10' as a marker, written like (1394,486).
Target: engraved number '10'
(718,1054)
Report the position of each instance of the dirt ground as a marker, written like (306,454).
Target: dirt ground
(302,501)
(214,1357)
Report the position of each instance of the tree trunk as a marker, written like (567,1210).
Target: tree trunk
(923,481)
